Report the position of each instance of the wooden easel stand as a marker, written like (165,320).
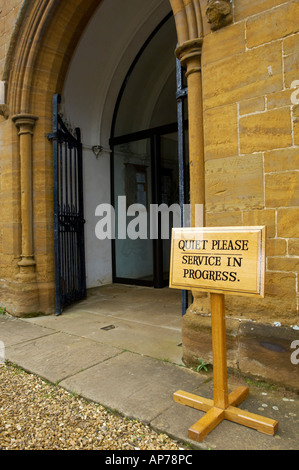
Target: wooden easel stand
(224,405)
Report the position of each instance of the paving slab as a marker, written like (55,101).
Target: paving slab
(137,386)
(15,331)
(152,340)
(59,355)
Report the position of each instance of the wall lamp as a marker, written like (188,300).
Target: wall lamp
(97,150)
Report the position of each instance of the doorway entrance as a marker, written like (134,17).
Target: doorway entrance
(145,170)
(145,160)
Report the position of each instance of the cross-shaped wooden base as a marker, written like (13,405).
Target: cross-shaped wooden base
(215,415)
(224,405)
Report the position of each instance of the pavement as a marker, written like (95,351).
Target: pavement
(121,347)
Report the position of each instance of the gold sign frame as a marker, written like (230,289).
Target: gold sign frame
(222,260)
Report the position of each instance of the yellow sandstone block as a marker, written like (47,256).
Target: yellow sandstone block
(274,24)
(261,217)
(287,222)
(281,285)
(252,106)
(221,132)
(276,247)
(234,183)
(245,8)
(266,131)
(281,160)
(282,189)
(296,124)
(224,219)
(223,43)
(287,264)
(291,68)
(291,57)
(291,44)
(251,74)
(279,99)
(293,246)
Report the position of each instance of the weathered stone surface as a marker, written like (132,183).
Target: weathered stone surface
(265,352)
(287,222)
(281,160)
(296,122)
(220,132)
(261,217)
(266,131)
(279,99)
(256,72)
(293,247)
(290,58)
(282,286)
(245,8)
(252,106)
(291,44)
(225,42)
(197,339)
(235,183)
(67,354)
(222,219)
(276,247)
(287,264)
(257,349)
(274,24)
(282,189)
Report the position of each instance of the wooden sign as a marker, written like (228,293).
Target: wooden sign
(219,259)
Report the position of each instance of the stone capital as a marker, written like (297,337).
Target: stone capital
(25,123)
(189,54)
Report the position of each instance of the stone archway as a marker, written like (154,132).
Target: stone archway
(44,39)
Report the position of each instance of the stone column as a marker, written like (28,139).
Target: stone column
(25,124)
(189,54)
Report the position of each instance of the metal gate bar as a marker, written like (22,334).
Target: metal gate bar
(69,250)
(181,95)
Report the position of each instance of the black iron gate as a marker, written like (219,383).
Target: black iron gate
(70,274)
(181,96)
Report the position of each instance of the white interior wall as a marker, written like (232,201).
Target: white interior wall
(107,48)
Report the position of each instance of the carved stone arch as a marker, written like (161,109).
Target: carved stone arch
(44,39)
(188,18)
(189,23)
(45,35)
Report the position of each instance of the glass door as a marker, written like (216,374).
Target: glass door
(144,165)
(146,201)
(169,193)
(133,248)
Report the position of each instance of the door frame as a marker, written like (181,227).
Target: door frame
(154,135)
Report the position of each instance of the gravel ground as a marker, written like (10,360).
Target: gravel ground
(36,415)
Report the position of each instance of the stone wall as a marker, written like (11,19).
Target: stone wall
(9,10)
(251,134)
(10,230)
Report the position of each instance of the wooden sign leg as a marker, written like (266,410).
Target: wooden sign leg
(219,351)
(224,405)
